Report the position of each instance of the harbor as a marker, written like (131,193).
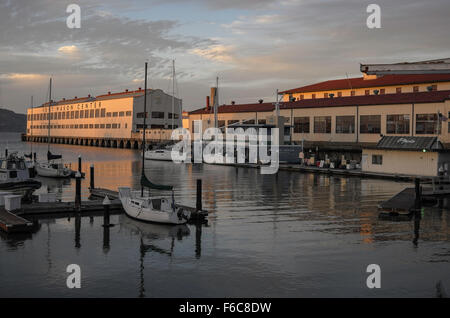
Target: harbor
(273,232)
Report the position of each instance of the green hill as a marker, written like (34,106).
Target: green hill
(12,122)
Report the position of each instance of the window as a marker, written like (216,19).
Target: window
(115,114)
(397,124)
(59,115)
(141,115)
(103,112)
(322,124)
(382,91)
(91,126)
(426,124)
(97,113)
(352,93)
(108,126)
(398,90)
(121,114)
(128,113)
(231,122)
(82,114)
(157,114)
(114,126)
(339,94)
(370,124)
(367,92)
(313,96)
(97,126)
(415,89)
(91,113)
(86,113)
(175,116)
(261,121)
(434,87)
(72,114)
(108,114)
(377,159)
(86,126)
(301,125)
(345,124)
(250,122)
(302,97)
(325,95)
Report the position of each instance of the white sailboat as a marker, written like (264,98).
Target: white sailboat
(149,208)
(54,167)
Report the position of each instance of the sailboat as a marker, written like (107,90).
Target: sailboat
(147,208)
(165,153)
(52,168)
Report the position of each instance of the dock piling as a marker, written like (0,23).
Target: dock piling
(78,191)
(92,185)
(106,218)
(199,195)
(79,164)
(6,153)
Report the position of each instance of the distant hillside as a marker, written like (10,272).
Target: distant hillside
(12,122)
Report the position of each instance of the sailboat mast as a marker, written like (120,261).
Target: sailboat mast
(49,103)
(143,135)
(216,103)
(31,127)
(173,91)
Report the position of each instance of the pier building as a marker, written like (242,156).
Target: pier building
(110,120)
(349,114)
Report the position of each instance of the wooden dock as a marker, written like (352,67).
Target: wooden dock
(11,223)
(403,201)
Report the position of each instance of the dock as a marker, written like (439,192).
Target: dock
(11,223)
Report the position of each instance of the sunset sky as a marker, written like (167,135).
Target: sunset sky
(254,46)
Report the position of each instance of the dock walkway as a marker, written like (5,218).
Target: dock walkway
(11,223)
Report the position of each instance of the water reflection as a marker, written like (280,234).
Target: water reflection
(150,235)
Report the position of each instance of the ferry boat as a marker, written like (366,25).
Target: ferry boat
(15,176)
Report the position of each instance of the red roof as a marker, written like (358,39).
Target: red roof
(388,99)
(139,91)
(360,82)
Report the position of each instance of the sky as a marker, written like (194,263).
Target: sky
(254,46)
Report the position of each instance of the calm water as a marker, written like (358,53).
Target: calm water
(298,235)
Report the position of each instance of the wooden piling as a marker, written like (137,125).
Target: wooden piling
(79,164)
(78,191)
(92,175)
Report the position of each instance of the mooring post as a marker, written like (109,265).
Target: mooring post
(6,153)
(199,194)
(34,157)
(79,164)
(92,185)
(106,204)
(78,191)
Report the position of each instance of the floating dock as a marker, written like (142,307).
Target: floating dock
(11,223)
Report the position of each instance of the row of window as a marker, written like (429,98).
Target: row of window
(370,124)
(380,91)
(157,115)
(76,114)
(80,126)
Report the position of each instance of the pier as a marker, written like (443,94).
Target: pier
(120,143)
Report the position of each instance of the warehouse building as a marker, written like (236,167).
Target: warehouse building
(110,116)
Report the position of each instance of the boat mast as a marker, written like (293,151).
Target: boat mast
(49,113)
(31,127)
(143,135)
(173,90)
(216,103)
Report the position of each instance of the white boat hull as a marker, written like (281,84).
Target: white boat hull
(47,170)
(143,208)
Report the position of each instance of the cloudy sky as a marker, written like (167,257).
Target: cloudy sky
(254,46)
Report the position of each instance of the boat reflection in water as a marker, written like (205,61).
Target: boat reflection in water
(150,233)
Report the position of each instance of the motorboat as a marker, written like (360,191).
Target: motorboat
(15,176)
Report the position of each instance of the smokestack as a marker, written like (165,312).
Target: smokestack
(207,103)
(213,95)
